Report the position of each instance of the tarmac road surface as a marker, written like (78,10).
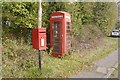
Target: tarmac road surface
(104,67)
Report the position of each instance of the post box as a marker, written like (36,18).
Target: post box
(39,38)
(60,28)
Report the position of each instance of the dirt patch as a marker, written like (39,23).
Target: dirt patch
(90,37)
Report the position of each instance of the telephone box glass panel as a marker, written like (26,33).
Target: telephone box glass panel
(56,37)
(68,36)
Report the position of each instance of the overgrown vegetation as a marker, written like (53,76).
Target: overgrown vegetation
(24,61)
(91,21)
(20,18)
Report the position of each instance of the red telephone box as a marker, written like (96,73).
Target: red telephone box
(39,38)
(60,27)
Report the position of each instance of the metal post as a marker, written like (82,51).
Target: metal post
(40,15)
(39,57)
(39,26)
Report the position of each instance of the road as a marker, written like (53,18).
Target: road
(104,67)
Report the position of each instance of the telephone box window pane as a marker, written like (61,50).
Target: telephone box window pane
(68,37)
(56,37)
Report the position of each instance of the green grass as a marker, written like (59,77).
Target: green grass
(25,63)
(114,74)
(102,51)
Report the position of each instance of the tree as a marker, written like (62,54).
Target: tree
(105,16)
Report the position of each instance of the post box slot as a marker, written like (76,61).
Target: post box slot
(42,32)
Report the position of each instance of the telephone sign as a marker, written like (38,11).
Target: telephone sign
(57,16)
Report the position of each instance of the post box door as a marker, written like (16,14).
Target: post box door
(57,42)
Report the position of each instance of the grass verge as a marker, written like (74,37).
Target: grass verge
(23,62)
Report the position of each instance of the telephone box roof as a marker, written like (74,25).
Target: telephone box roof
(63,12)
